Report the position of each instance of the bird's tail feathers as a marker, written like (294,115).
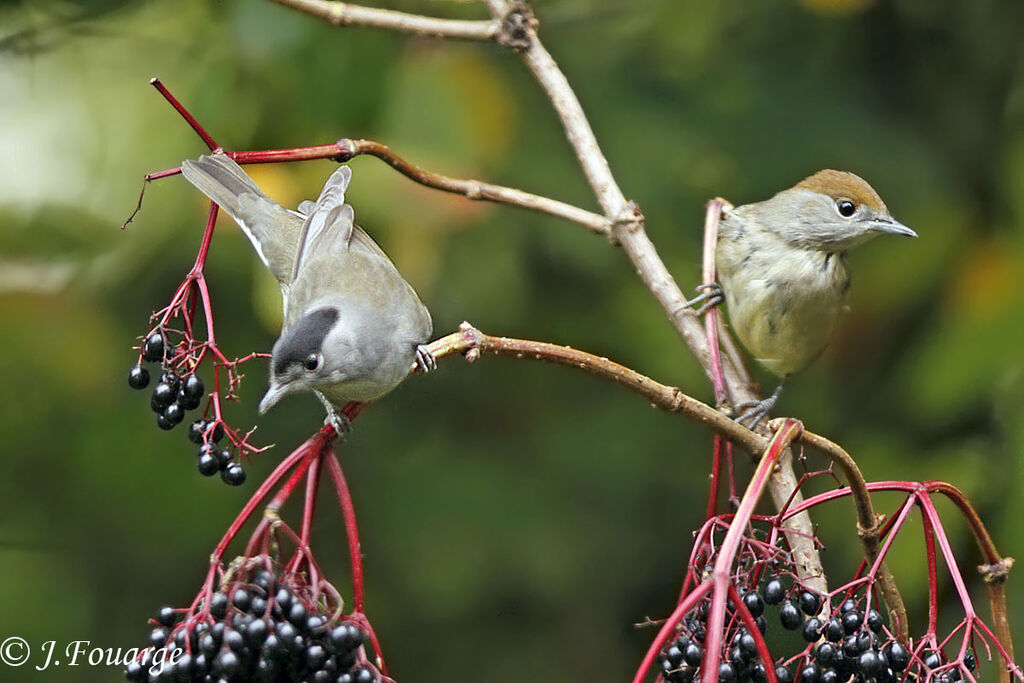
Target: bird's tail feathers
(221,179)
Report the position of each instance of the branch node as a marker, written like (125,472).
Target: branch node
(517,27)
(630,220)
(874,531)
(997,571)
(346,150)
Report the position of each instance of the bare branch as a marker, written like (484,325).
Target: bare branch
(474,189)
(346,14)
(472,342)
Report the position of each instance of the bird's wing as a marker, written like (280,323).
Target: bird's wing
(329,223)
(273,230)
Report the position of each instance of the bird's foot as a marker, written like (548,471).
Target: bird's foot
(425,361)
(711,295)
(755,411)
(341,423)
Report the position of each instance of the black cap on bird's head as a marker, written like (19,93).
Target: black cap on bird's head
(297,361)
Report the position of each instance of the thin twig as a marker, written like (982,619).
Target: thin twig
(474,189)
(343,14)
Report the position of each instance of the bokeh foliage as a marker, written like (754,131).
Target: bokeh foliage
(517,519)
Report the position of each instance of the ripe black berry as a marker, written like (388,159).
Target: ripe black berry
(172,380)
(227,665)
(163,423)
(897,656)
(674,656)
(852,621)
(970,661)
(849,604)
(196,430)
(138,378)
(762,624)
(174,414)
(158,637)
(165,615)
(829,676)
(693,654)
(193,387)
(783,674)
(153,347)
(233,474)
(726,672)
(256,633)
(810,603)
(754,603)
(932,660)
(810,674)
(234,640)
(812,629)
(828,655)
(218,607)
(851,648)
(834,630)
(316,656)
(774,592)
(224,458)
(207,464)
(790,617)
(747,644)
(870,663)
(186,402)
(163,395)
(874,620)
(362,676)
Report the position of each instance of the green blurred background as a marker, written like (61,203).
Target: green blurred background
(517,519)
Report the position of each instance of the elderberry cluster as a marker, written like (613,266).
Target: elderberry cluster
(172,396)
(854,644)
(263,631)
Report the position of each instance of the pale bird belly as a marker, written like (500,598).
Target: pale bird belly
(785,319)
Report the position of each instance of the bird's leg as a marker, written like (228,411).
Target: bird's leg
(755,411)
(711,296)
(425,360)
(342,424)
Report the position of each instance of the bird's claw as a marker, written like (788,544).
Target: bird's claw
(341,423)
(711,296)
(425,361)
(754,412)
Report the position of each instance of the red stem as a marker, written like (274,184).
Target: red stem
(200,131)
(348,512)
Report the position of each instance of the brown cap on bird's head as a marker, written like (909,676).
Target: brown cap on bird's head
(842,185)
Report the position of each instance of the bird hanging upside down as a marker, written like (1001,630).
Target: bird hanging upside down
(782,270)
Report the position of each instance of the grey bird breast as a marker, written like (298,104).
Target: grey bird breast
(783,302)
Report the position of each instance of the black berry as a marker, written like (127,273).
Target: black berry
(874,621)
(828,655)
(196,430)
(812,629)
(774,592)
(163,395)
(233,474)
(870,663)
(165,615)
(693,654)
(153,347)
(810,674)
(852,621)
(726,672)
(849,604)
(207,464)
(897,656)
(810,603)
(174,414)
(193,387)
(754,603)
(783,674)
(834,630)
(138,378)
(790,617)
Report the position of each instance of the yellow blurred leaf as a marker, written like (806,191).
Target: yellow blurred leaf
(987,279)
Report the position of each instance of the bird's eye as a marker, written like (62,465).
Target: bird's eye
(846,208)
(312,362)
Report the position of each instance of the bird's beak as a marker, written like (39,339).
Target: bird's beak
(273,395)
(892,227)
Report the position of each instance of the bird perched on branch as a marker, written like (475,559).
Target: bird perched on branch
(353,327)
(782,269)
